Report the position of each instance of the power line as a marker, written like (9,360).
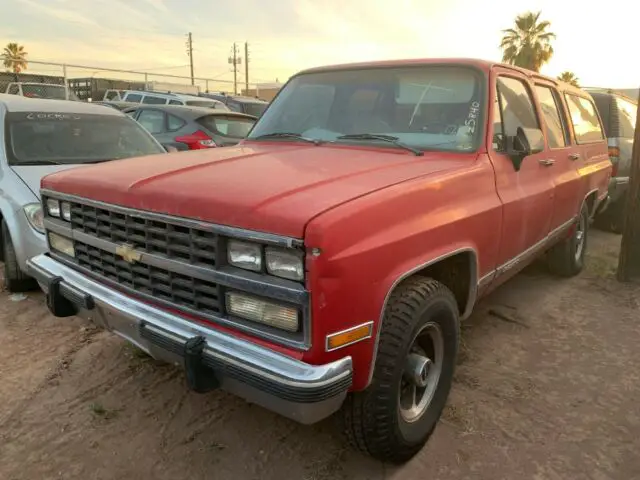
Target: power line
(235,60)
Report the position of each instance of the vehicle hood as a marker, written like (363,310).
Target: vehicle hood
(32,175)
(274,188)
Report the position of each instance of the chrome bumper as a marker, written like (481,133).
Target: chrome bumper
(306,393)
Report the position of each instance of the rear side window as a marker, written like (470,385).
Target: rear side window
(553,119)
(133,97)
(175,102)
(152,120)
(14,90)
(229,126)
(627,112)
(174,123)
(603,104)
(516,110)
(584,118)
(151,100)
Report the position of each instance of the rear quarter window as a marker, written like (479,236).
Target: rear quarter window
(603,104)
(585,121)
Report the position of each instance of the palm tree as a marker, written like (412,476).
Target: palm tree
(528,45)
(569,77)
(14,57)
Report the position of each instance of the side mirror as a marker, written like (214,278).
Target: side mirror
(527,141)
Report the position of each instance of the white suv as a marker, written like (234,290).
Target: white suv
(157,98)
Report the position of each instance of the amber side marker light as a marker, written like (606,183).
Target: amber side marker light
(350,336)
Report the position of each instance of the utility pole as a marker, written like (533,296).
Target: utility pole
(190,53)
(629,260)
(235,60)
(246,68)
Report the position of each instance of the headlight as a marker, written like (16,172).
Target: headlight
(244,255)
(65,211)
(33,211)
(257,310)
(61,244)
(53,207)
(285,263)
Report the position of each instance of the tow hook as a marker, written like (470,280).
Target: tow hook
(200,378)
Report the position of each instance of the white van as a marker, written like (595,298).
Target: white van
(157,98)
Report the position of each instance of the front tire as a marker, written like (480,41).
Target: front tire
(15,279)
(566,258)
(394,417)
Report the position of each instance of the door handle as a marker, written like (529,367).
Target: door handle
(547,162)
(574,156)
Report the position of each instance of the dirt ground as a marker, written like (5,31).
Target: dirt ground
(547,388)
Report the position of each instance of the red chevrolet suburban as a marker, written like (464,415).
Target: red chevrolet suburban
(325,263)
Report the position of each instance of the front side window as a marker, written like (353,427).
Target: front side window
(427,107)
(45,138)
(14,90)
(627,113)
(516,110)
(586,124)
(133,97)
(556,134)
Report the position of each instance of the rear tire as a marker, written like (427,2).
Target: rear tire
(566,258)
(395,416)
(15,280)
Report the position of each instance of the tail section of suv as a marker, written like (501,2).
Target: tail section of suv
(618,114)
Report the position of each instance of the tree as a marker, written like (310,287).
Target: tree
(528,45)
(569,77)
(14,57)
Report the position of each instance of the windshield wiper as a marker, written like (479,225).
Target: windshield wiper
(30,163)
(297,136)
(383,138)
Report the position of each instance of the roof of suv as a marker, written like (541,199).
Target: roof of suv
(484,65)
(18,103)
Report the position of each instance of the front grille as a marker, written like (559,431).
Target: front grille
(197,247)
(159,283)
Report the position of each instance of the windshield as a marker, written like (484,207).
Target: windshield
(229,126)
(428,107)
(255,109)
(67,138)
(56,92)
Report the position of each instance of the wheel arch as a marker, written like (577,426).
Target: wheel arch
(456,269)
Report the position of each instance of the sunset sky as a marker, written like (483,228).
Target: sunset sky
(598,44)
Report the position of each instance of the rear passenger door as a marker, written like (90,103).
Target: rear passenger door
(593,166)
(527,193)
(567,195)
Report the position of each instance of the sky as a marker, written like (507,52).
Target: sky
(286,36)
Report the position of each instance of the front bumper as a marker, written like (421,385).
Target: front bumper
(306,393)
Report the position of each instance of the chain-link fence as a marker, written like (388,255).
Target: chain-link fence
(94,83)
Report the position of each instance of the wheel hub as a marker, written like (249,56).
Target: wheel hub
(417,369)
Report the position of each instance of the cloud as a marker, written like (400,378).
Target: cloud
(61,13)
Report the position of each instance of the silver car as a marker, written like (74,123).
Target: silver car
(618,115)
(39,137)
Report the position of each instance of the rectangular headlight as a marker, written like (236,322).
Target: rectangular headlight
(285,263)
(257,310)
(62,244)
(53,207)
(244,255)
(65,211)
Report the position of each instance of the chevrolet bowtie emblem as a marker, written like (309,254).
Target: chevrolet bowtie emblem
(128,253)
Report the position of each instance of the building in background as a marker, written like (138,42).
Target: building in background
(265,91)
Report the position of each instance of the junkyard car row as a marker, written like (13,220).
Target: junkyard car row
(325,262)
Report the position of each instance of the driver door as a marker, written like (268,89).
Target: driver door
(527,194)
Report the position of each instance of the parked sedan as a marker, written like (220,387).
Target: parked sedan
(39,137)
(192,128)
